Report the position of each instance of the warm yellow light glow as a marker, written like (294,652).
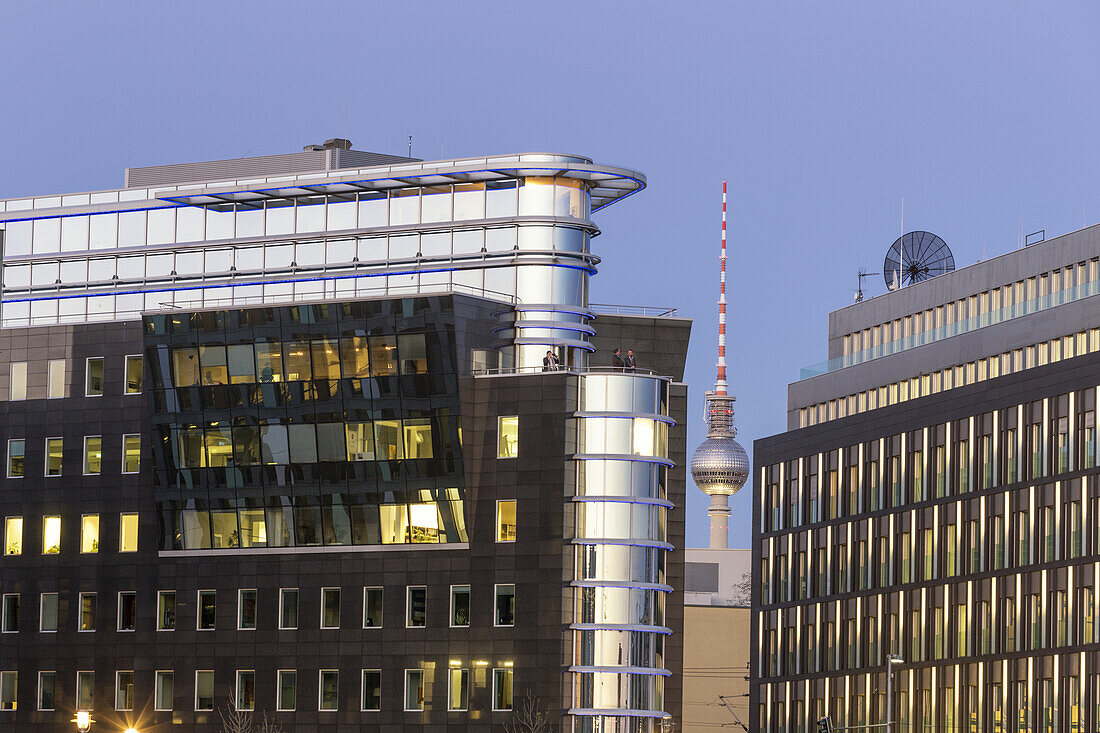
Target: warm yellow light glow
(131,730)
(456,662)
(481,663)
(507,664)
(83,720)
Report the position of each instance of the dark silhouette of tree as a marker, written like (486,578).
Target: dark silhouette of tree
(529,717)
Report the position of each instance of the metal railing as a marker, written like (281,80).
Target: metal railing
(651,311)
(498,371)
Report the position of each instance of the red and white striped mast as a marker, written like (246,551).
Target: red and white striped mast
(720,384)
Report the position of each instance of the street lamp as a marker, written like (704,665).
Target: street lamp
(891,660)
(83,720)
(131,729)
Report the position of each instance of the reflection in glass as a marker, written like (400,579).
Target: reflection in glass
(388,440)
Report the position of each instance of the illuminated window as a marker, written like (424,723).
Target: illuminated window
(16,458)
(414,690)
(288,690)
(93,454)
(89,533)
(13,536)
(53,456)
(506,520)
(458,689)
(328,690)
(507,436)
(133,374)
(502,689)
(423,523)
(131,453)
(418,438)
(128,533)
(93,383)
(372,690)
(51,535)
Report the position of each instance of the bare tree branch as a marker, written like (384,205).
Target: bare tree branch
(235,721)
(529,718)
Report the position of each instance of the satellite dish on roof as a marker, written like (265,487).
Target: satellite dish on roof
(916,257)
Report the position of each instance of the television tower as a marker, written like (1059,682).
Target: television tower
(720,465)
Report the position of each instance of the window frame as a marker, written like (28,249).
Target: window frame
(279,690)
(240,609)
(157,676)
(405,696)
(41,611)
(50,364)
(450,680)
(12,381)
(126,373)
(80,611)
(118,618)
(123,464)
(83,526)
(15,702)
(46,457)
(161,594)
(7,471)
(212,696)
(497,533)
(496,607)
(88,674)
(87,375)
(46,550)
(297,600)
(321,690)
(84,461)
(363,691)
(53,693)
(118,677)
(122,534)
(408,606)
(7,523)
(324,591)
(493,700)
(198,609)
(469,609)
(500,436)
(381,597)
(4,613)
(237,690)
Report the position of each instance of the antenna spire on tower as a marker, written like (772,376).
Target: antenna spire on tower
(720,384)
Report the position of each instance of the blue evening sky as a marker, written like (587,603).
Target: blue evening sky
(982,116)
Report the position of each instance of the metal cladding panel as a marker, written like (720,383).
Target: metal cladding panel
(365,159)
(265,165)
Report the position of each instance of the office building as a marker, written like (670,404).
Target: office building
(932,508)
(334,437)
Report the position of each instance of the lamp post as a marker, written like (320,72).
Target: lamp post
(83,720)
(891,660)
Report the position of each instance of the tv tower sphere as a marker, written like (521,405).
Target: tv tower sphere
(720,465)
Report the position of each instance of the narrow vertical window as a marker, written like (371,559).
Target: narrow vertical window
(128,533)
(54,450)
(133,374)
(416,602)
(9,623)
(13,536)
(372,608)
(51,535)
(131,453)
(288,690)
(46,683)
(328,690)
(207,608)
(288,608)
(87,612)
(166,610)
(124,690)
(505,606)
(164,692)
(85,690)
(330,608)
(246,610)
(17,382)
(502,689)
(414,690)
(507,436)
(460,605)
(9,684)
(93,454)
(93,384)
(17,458)
(204,689)
(47,612)
(55,379)
(89,533)
(506,520)
(246,689)
(458,689)
(372,690)
(127,610)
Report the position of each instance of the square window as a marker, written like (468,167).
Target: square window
(131,453)
(288,689)
(9,682)
(13,536)
(128,533)
(288,608)
(505,605)
(10,622)
(204,689)
(134,366)
(89,533)
(460,605)
(330,608)
(93,454)
(124,690)
(93,384)
(127,610)
(17,453)
(372,690)
(506,520)
(46,683)
(246,610)
(416,611)
(458,689)
(54,451)
(414,690)
(51,535)
(85,690)
(372,608)
(18,381)
(502,689)
(55,379)
(246,689)
(87,612)
(328,690)
(164,691)
(508,436)
(166,610)
(207,609)
(47,612)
